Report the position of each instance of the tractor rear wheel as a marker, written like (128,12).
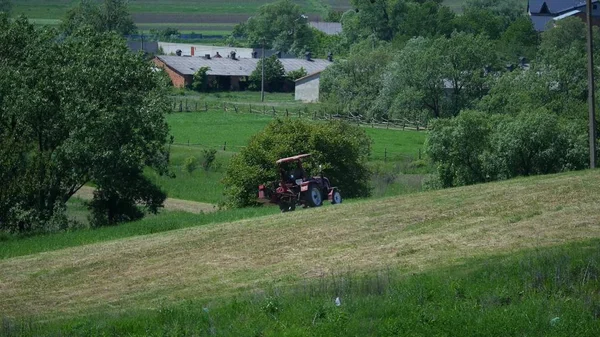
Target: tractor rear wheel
(314,196)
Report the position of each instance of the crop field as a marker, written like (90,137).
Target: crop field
(187,15)
(513,258)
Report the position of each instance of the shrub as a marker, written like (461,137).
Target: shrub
(209,158)
(475,147)
(190,164)
(200,79)
(341,149)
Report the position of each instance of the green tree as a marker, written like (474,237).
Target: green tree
(109,16)
(375,18)
(520,39)
(442,76)
(476,147)
(340,148)
(76,110)
(274,75)
(480,21)
(509,10)
(413,83)
(200,79)
(350,86)
(280,26)
(423,18)
(458,146)
(296,74)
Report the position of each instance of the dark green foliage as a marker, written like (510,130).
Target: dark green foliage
(165,33)
(110,16)
(200,79)
(542,292)
(520,39)
(475,147)
(340,148)
(80,110)
(350,86)
(296,74)
(436,77)
(209,158)
(6,6)
(274,75)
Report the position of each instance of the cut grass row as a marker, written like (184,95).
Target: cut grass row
(165,221)
(410,234)
(541,292)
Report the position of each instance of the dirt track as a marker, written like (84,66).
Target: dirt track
(171,204)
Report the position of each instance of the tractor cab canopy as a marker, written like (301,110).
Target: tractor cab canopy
(294,158)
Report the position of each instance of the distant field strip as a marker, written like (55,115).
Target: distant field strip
(231,11)
(413,233)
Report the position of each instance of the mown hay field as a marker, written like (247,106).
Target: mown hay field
(410,234)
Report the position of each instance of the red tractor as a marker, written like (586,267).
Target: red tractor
(296,188)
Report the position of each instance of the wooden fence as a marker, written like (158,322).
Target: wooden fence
(300,112)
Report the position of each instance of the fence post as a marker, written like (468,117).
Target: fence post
(315,116)
(385,155)
(250,108)
(225,146)
(196,109)
(224,106)
(274,113)
(264,110)
(419,153)
(186,105)
(299,113)
(180,106)
(205,106)
(235,108)
(287,113)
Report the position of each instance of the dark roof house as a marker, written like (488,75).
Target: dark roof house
(543,12)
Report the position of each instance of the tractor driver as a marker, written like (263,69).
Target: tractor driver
(298,172)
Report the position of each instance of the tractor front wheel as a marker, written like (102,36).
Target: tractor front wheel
(336,197)
(314,196)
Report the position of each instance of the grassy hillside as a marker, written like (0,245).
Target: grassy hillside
(410,234)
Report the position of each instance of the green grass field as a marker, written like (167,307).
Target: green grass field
(56,9)
(515,258)
(228,132)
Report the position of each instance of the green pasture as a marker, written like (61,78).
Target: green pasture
(229,132)
(56,9)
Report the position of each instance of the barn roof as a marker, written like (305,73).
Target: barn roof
(555,6)
(237,67)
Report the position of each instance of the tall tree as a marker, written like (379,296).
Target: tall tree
(280,26)
(441,76)
(351,85)
(109,16)
(274,75)
(76,110)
